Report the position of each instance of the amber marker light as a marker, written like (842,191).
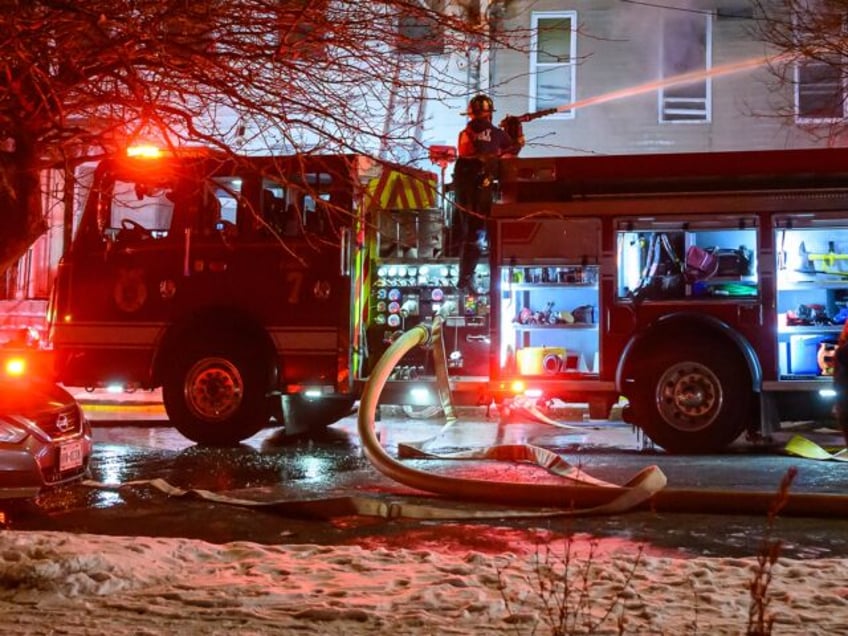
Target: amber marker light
(15,366)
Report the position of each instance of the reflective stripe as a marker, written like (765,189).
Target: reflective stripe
(394,190)
(305,340)
(107,334)
(111,335)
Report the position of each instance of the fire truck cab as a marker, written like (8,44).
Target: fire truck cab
(227,281)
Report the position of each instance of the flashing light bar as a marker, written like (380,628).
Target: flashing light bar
(144,151)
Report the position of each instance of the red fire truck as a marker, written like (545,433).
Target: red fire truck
(707,290)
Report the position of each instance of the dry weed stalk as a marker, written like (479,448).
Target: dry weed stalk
(760,622)
(562,583)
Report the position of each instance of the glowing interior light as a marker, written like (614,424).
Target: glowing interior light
(115,388)
(827,393)
(419,393)
(144,151)
(312,393)
(15,366)
(518,386)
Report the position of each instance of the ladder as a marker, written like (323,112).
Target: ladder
(403,129)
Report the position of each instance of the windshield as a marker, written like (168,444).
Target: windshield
(140,205)
(133,207)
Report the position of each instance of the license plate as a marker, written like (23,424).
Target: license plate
(70,456)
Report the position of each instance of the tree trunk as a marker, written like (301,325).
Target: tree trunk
(21,218)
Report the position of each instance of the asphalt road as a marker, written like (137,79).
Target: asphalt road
(133,443)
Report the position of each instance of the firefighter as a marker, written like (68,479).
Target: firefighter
(840,381)
(480,145)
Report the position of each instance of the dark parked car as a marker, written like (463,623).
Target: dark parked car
(45,439)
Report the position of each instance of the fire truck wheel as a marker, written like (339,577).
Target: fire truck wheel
(215,397)
(696,399)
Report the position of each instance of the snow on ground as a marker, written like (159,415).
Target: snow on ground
(64,583)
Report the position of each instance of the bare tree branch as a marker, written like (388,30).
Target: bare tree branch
(82,77)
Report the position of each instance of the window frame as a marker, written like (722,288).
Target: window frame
(663,99)
(535,18)
(809,119)
(301,32)
(421,35)
(802,38)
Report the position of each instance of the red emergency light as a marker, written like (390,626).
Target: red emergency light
(442,155)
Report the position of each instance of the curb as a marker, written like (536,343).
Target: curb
(137,407)
(144,401)
(105,398)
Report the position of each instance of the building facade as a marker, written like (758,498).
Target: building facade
(621,65)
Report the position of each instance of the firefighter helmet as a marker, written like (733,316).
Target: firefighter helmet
(480,106)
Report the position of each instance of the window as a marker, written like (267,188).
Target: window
(137,210)
(420,35)
(307,208)
(685,48)
(283,220)
(553,47)
(820,82)
(820,91)
(225,191)
(303,30)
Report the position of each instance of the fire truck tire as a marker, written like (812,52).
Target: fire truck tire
(696,398)
(214,394)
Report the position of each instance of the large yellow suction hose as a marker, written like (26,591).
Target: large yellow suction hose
(569,496)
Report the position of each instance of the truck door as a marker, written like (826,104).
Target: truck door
(295,276)
(110,304)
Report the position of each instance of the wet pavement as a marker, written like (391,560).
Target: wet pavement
(133,442)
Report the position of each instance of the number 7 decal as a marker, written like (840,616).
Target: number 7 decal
(294,282)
